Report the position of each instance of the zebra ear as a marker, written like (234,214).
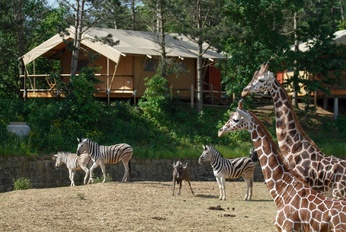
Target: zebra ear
(78,140)
(203,147)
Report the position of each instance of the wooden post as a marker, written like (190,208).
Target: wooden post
(107,87)
(192,96)
(336,107)
(212,94)
(325,103)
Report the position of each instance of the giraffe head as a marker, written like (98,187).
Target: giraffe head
(239,120)
(262,81)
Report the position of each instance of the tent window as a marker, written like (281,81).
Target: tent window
(150,65)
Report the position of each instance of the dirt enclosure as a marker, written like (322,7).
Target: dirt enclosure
(138,206)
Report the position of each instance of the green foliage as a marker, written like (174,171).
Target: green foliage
(81,196)
(100,179)
(156,95)
(22,183)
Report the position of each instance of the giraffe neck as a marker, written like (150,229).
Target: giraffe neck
(288,129)
(279,181)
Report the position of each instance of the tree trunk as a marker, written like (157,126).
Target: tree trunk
(77,36)
(19,20)
(199,62)
(161,37)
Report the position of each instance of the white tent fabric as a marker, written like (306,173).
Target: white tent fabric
(340,38)
(43,48)
(129,42)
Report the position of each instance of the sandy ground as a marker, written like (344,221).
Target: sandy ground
(137,206)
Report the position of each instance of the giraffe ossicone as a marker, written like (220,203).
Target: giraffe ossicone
(300,208)
(326,174)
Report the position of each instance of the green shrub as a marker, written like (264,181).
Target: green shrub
(22,183)
(81,196)
(100,179)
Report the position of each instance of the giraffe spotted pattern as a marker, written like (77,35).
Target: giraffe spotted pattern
(300,208)
(326,174)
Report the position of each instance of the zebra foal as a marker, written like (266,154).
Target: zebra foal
(228,168)
(73,162)
(102,155)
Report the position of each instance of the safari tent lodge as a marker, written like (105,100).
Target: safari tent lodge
(123,67)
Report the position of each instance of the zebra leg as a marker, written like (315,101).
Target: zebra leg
(126,175)
(103,168)
(251,185)
(71,175)
(95,165)
(248,186)
(86,170)
(220,182)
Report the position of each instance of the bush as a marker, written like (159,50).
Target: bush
(100,179)
(22,184)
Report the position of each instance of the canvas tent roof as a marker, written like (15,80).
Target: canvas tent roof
(340,38)
(129,42)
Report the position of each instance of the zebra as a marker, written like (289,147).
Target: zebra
(102,155)
(73,162)
(229,168)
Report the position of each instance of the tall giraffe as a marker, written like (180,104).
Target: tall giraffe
(300,208)
(326,174)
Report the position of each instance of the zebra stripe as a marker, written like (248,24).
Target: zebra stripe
(229,168)
(102,155)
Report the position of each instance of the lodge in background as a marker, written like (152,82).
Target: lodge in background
(335,100)
(122,67)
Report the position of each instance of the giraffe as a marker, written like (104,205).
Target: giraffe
(326,174)
(300,208)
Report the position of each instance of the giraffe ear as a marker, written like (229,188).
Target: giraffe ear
(240,104)
(244,114)
(264,67)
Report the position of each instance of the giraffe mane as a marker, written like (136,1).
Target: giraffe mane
(287,167)
(295,118)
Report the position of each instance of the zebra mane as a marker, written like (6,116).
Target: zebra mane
(216,151)
(89,141)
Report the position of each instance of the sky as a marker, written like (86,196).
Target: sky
(53,3)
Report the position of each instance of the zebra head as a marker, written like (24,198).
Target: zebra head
(58,159)
(83,146)
(206,155)
(239,120)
